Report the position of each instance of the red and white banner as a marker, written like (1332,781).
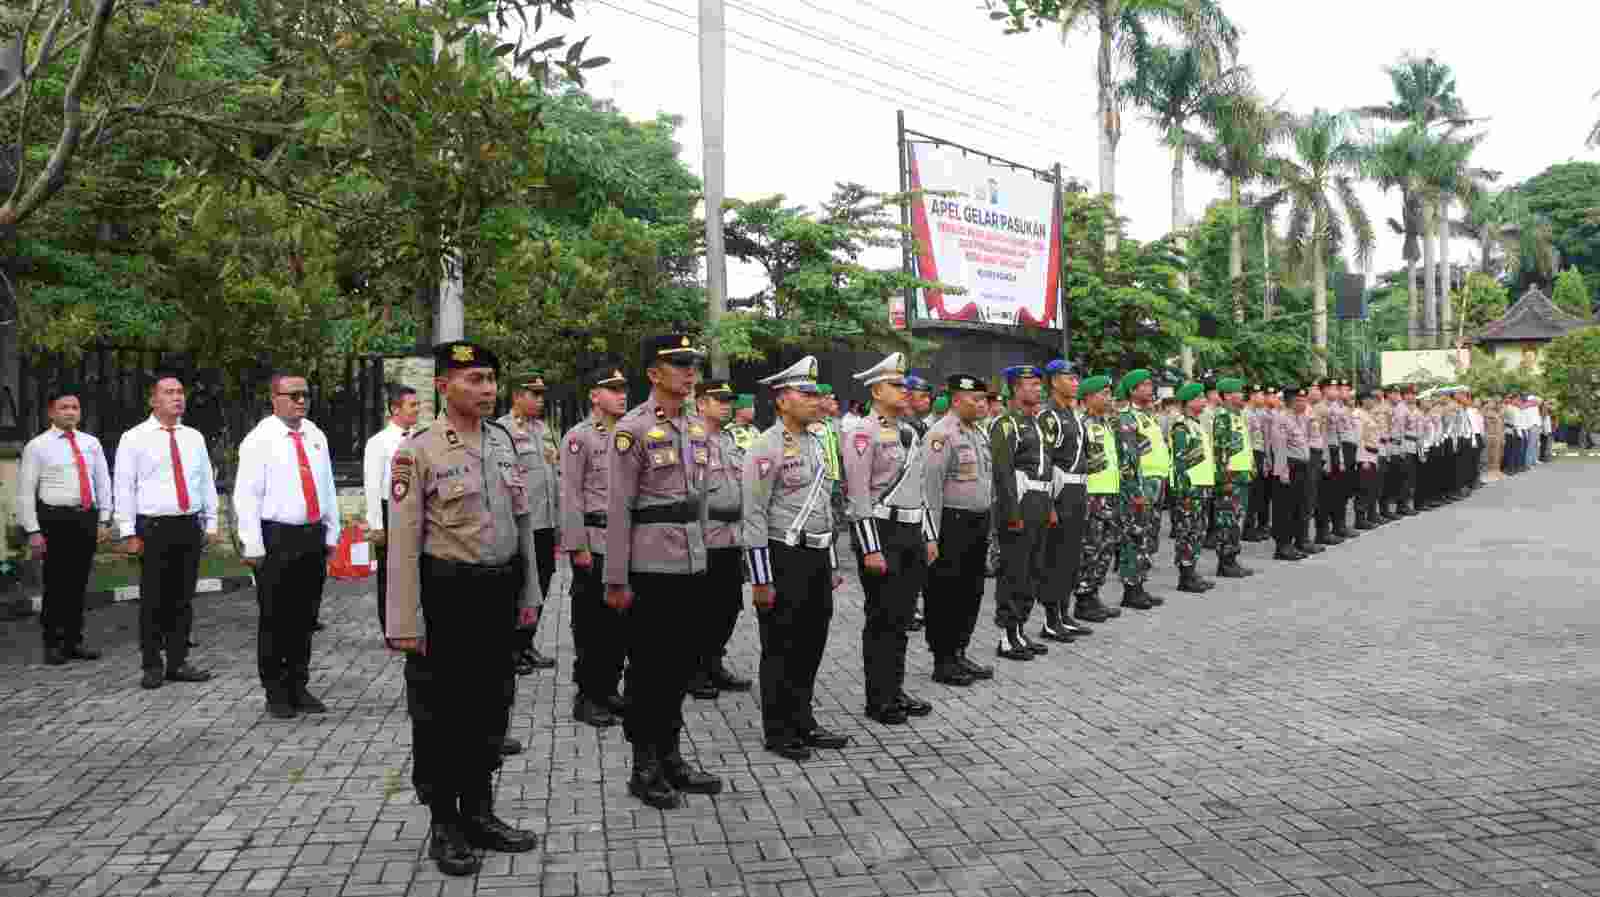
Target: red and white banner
(996,234)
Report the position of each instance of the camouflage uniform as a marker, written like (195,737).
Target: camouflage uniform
(1103,525)
(1141,535)
(1188,499)
(1229,435)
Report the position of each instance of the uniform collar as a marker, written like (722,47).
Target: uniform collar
(307,428)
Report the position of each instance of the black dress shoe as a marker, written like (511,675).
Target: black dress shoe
(1288,553)
(889,715)
(647,782)
(152,679)
(306,702)
(977,670)
(1037,648)
(54,656)
(1091,611)
(281,708)
(825,738)
(1135,598)
(79,652)
(790,749)
(724,679)
(951,673)
(448,848)
(683,777)
(1157,600)
(486,831)
(510,747)
(913,706)
(188,673)
(587,711)
(700,687)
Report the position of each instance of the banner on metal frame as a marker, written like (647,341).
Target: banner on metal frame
(994,231)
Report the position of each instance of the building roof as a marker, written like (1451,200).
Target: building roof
(1533,317)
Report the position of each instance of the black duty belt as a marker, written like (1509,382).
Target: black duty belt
(729,516)
(441,567)
(678,512)
(594,519)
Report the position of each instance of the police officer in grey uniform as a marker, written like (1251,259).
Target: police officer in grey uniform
(724,557)
(540,463)
(655,560)
(896,541)
(788,534)
(959,492)
(461,582)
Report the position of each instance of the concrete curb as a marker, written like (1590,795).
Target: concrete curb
(108,597)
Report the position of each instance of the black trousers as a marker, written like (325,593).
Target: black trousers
(888,604)
(794,633)
(1512,463)
(1310,496)
(168,570)
(459,692)
(1370,483)
(1349,480)
(1022,561)
(289,580)
(544,561)
(599,634)
(1408,477)
(955,582)
(1064,547)
(665,627)
(69,535)
(724,597)
(382,557)
(1261,493)
(1288,500)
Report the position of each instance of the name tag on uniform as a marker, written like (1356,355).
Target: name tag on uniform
(700,453)
(662,455)
(888,435)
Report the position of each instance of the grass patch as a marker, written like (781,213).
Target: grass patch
(114,574)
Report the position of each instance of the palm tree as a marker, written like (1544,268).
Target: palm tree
(1319,183)
(1452,179)
(1243,127)
(1397,162)
(1121,27)
(1511,238)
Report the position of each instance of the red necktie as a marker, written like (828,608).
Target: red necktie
(178,481)
(308,483)
(84,489)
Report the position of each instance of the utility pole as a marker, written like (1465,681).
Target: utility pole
(713,102)
(450,310)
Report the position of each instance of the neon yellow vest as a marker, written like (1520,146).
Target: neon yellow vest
(1159,462)
(1203,473)
(1243,461)
(1108,481)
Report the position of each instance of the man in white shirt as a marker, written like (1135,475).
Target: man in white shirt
(166,513)
(63,490)
(288,515)
(376,465)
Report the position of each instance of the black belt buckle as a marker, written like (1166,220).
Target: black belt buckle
(595,519)
(726,516)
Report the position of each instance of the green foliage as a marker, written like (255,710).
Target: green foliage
(1488,377)
(1571,366)
(1483,302)
(72,298)
(820,294)
(1571,293)
(1567,195)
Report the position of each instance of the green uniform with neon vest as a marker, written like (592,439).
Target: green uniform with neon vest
(1194,478)
(1141,535)
(1235,459)
(1112,484)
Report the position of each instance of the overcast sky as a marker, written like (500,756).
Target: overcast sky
(821,107)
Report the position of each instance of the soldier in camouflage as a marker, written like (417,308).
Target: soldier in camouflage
(1103,513)
(1194,474)
(1151,469)
(1231,437)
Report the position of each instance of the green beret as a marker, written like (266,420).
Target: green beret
(744,400)
(1131,381)
(824,389)
(1191,391)
(941,404)
(1230,384)
(1093,384)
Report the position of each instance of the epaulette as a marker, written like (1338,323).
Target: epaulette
(502,428)
(417,432)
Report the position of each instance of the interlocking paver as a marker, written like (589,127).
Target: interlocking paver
(1411,714)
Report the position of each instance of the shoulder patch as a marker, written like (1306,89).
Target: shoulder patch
(936,444)
(623,441)
(763,467)
(451,437)
(862,441)
(573,446)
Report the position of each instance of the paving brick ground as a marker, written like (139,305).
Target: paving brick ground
(1411,714)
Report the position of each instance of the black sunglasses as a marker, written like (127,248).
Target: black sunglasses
(297,396)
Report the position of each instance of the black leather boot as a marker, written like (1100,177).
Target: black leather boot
(975,669)
(449,849)
(1011,646)
(949,671)
(1090,610)
(1134,597)
(1052,628)
(486,831)
(647,783)
(680,775)
(1189,582)
(1230,568)
(1288,552)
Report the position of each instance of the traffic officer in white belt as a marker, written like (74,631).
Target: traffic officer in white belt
(788,537)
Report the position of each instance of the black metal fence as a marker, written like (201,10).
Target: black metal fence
(113,386)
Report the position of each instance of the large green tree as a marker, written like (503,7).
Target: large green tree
(1242,130)
(1571,367)
(1567,196)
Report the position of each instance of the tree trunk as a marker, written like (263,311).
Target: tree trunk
(1236,254)
(1430,301)
(1109,127)
(1446,308)
(1180,221)
(1319,302)
(1266,268)
(1413,309)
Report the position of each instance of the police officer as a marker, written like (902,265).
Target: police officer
(1064,547)
(1369,451)
(921,401)
(883,468)
(1021,444)
(724,557)
(1230,436)
(461,581)
(1258,524)
(743,429)
(1107,463)
(960,492)
(1291,455)
(540,462)
(1194,476)
(789,538)
(599,637)
(655,557)
(1141,536)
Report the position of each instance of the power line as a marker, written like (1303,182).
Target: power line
(934,109)
(841,43)
(965,46)
(1043,140)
